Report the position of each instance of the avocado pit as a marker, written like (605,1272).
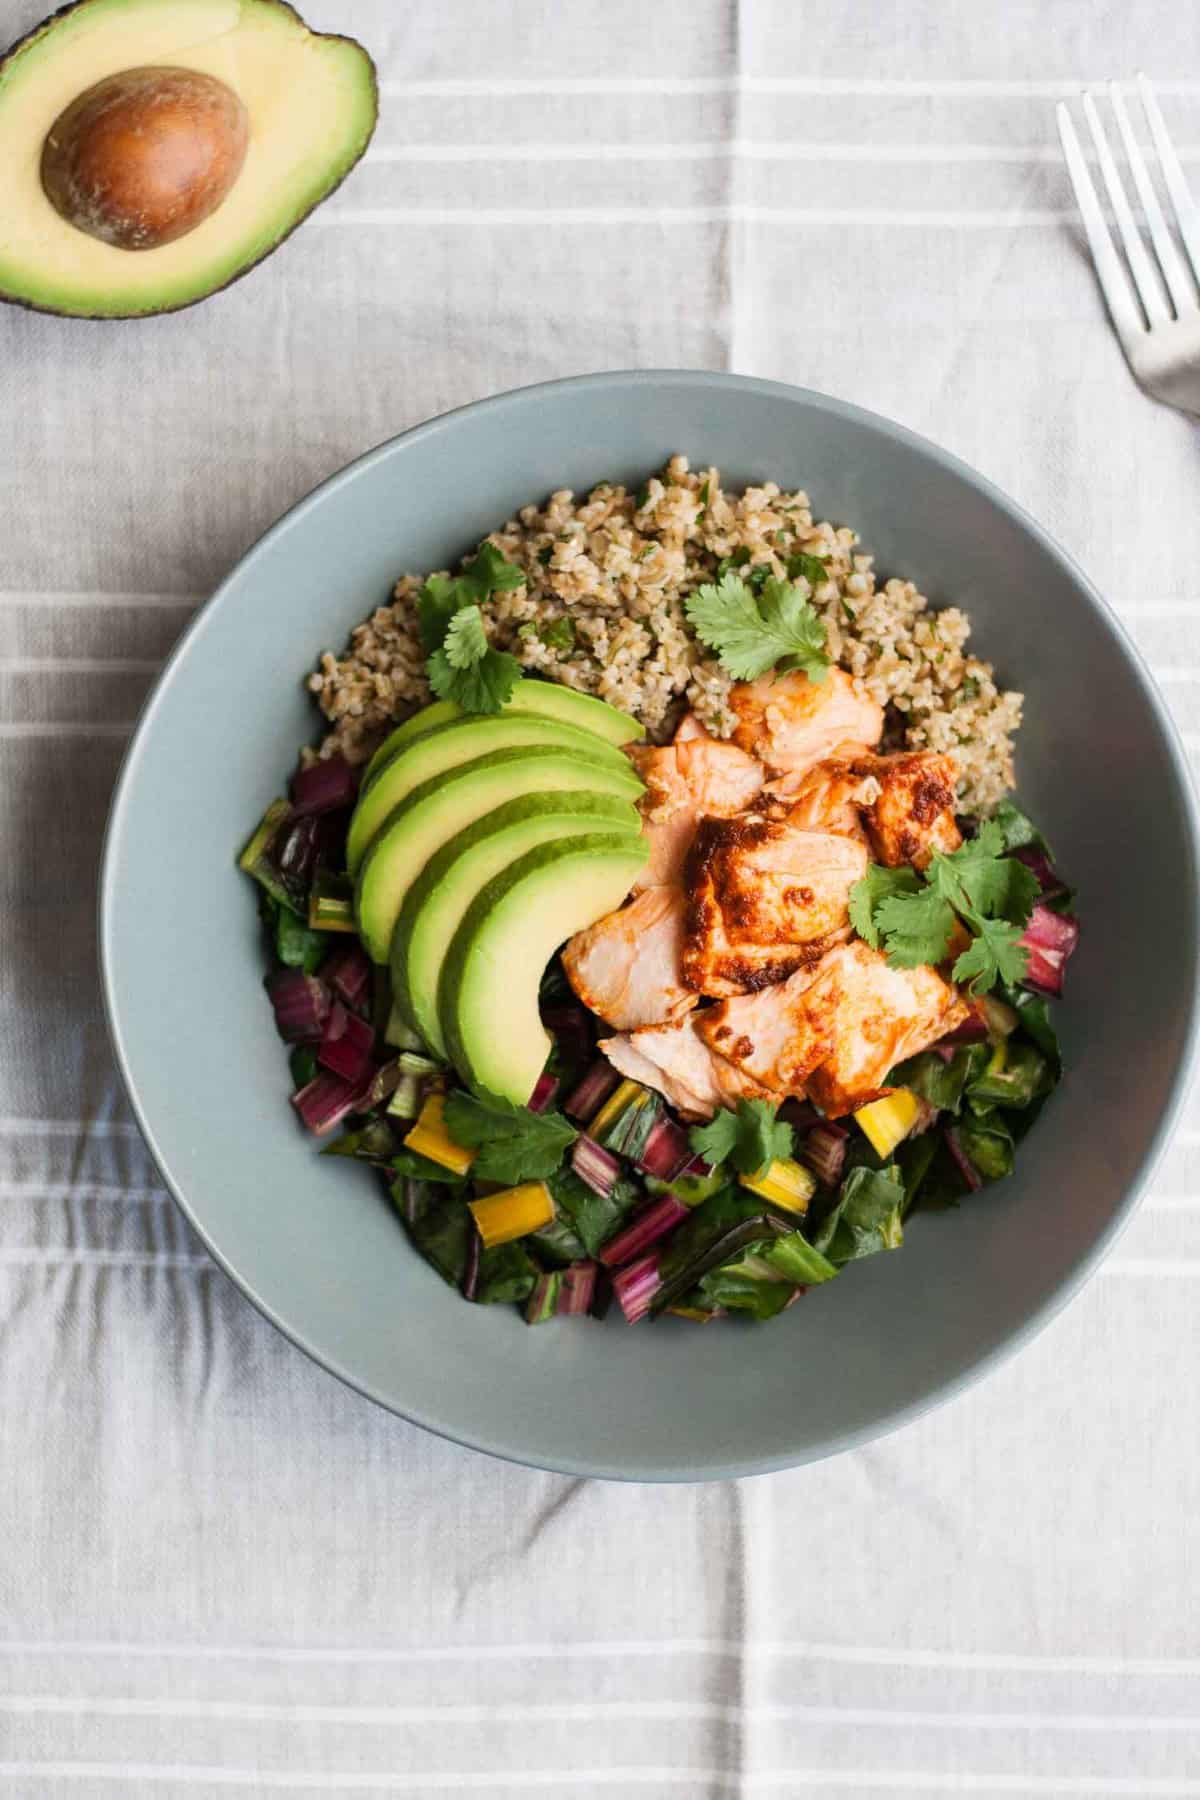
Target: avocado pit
(145,156)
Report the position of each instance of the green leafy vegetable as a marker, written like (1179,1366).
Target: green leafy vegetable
(750,1138)
(303,1065)
(513,1144)
(914,918)
(296,945)
(721,1228)
(555,1244)
(747,1283)
(794,1257)
(506,1273)
(1033,1010)
(989,1144)
(593,1217)
(439,1224)
(914,1159)
(941,1083)
(751,634)
(1017,1084)
(866,1217)
(372,1143)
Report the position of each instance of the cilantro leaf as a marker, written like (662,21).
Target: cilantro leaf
(916,927)
(437,604)
(876,885)
(490,572)
(793,620)
(513,1143)
(460,665)
(753,634)
(466,640)
(750,1138)
(914,918)
(979,878)
(484,687)
(996,954)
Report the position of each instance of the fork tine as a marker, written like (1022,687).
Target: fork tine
(1182,293)
(1110,272)
(1144,278)
(1173,175)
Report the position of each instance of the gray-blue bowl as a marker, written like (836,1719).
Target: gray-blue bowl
(310,1240)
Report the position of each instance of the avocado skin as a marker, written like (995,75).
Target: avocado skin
(155,312)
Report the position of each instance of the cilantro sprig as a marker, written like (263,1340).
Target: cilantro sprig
(750,1138)
(461,665)
(914,917)
(752,631)
(513,1144)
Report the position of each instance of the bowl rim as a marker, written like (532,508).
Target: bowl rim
(1085,1265)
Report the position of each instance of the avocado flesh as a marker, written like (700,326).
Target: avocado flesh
(438,899)
(312,105)
(434,812)
(549,699)
(458,742)
(488,996)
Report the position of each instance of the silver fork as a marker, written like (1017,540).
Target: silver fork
(1157,317)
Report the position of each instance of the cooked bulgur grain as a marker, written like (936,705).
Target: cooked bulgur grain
(602,610)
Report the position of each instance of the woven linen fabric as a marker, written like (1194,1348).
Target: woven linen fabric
(220,1571)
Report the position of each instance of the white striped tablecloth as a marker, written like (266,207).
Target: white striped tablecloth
(219,1571)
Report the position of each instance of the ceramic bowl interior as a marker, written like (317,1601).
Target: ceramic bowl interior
(311,1241)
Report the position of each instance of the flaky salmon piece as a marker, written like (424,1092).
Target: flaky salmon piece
(829,796)
(833,1032)
(626,967)
(695,777)
(913,813)
(903,802)
(763,899)
(676,1062)
(790,722)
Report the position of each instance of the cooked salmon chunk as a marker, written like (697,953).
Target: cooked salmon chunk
(695,777)
(791,722)
(627,966)
(828,797)
(913,813)
(763,899)
(676,1062)
(832,1033)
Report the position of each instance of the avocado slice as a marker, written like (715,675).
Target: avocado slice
(450,801)
(437,900)
(488,995)
(458,742)
(547,698)
(310,103)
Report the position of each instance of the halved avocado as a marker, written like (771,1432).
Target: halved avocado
(434,812)
(488,996)
(437,900)
(458,742)
(310,103)
(549,699)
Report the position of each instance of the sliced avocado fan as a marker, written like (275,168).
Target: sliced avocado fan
(488,995)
